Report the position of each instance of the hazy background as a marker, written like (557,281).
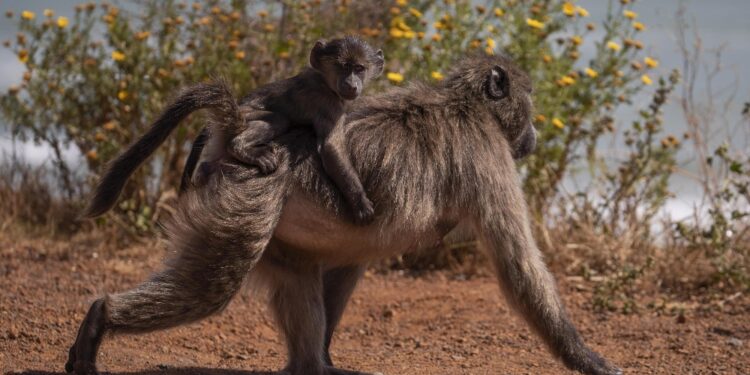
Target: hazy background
(719,23)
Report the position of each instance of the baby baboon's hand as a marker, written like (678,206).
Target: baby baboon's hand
(364,211)
(261,156)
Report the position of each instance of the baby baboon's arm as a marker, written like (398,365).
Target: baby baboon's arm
(251,145)
(337,165)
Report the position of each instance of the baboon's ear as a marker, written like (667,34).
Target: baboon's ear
(378,62)
(316,53)
(498,83)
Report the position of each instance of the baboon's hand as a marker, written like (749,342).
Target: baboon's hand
(589,362)
(364,211)
(261,156)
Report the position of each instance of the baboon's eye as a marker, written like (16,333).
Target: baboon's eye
(358,68)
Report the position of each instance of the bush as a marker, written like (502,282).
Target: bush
(97,80)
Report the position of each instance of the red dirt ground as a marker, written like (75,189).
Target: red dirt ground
(394,325)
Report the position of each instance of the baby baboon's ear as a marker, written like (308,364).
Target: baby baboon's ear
(498,83)
(378,62)
(316,53)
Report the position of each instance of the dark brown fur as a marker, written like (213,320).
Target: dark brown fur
(339,70)
(428,155)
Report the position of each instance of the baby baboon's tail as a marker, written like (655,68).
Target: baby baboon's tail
(215,95)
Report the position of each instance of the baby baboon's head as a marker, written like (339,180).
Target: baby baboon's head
(347,64)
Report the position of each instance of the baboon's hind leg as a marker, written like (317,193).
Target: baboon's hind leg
(299,309)
(338,285)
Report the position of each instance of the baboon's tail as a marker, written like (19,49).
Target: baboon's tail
(215,95)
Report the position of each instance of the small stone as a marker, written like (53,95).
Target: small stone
(733,341)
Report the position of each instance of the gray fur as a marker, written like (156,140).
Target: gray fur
(430,156)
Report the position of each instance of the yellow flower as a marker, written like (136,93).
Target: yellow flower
(558,123)
(23,55)
(122,95)
(439,25)
(263,13)
(62,22)
(651,63)
(488,50)
(566,81)
(205,20)
(92,155)
(437,37)
(534,23)
(284,55)
(239,55)
(409,34)
(48,13)
(28,15)
(629,14)
(268,27)
(638,26)
(540,118)
(118,56)
(437,76)
(401,2)
(110,125)
(215,10)
(499,12)
(415,12)
(397,33)
(475,43)
(569,9)
(576,40)
(395,77)
(100,137)
(582,11)
(491,43)
(395,11)
(646,79)
(613,46)
(142,35)
(591,72)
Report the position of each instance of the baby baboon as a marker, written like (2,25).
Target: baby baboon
(432,157)
(339,71)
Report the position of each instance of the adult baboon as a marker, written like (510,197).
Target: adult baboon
(429,156)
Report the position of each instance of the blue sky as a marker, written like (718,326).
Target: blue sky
(719,23)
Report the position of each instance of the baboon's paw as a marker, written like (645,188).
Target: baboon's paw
(364,211)
(587,361)
(338,371)
(262,157)
(85,368)
(71,359)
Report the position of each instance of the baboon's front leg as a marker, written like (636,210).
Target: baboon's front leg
(338,285)
(505,232)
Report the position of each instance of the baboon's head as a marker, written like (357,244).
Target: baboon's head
(346,64)
(502,89)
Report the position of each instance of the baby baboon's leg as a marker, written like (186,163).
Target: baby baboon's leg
(250,146)
(338,285)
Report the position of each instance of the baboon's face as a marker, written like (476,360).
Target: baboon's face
(505,91)
(347,64)
(508,91)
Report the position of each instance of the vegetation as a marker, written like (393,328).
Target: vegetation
(96,81)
